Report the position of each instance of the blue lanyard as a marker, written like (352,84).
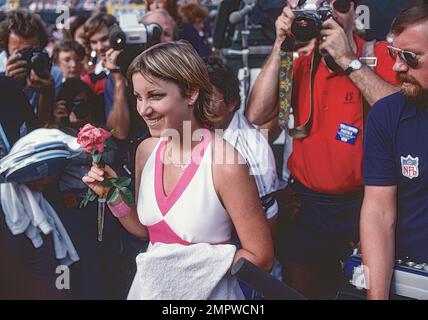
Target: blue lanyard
(4,138)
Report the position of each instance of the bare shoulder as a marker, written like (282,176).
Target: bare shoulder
(144,150)
(228,164)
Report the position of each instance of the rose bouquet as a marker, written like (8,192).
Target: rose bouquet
(95,141)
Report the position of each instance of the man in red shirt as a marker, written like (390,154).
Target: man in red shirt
(326,165)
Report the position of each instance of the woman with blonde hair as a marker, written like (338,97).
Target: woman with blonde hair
(187,180)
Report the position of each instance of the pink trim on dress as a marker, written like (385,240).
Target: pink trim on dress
(162,232)
(165,202)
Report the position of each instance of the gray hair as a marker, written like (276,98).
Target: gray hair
(161,12)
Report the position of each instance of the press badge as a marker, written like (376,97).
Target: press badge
(347,133)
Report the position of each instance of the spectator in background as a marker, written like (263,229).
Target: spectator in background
(249,142)
(192,28)
(68,55)
(96,30)
(77,29)
(241,134)
(24,30)
(117,110)
(137,129)
(168,5)
(96,274)
(394,216)
(77,105)
(164,20)
(25,272)
(77,33)
(325,162)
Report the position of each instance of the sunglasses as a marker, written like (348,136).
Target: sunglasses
(342,6)
(410,58)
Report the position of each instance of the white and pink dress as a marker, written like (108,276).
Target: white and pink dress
(190,216)
(192,212)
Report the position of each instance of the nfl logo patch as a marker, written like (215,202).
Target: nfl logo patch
(410,167)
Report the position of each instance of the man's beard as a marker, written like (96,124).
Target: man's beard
(413,90)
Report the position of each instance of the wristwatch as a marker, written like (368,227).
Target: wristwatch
(115,69)
(353,66)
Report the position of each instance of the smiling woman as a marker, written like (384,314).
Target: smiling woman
(185,199)
(171,73)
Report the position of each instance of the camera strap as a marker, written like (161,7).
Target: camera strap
(286,117)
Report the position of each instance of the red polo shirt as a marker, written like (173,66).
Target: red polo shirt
(320,161)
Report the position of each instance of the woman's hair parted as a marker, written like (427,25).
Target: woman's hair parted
(178,62)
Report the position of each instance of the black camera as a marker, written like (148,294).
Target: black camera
(81,108)
(37,60)
(133,38)
(308,19)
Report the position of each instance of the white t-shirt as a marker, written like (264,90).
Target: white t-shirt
(255,149)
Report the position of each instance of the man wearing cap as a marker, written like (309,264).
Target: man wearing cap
(326,162)
(394,216)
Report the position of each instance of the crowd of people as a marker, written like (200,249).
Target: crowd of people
(207,189)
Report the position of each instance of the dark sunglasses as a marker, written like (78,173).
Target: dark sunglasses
(342,6)
(410,58)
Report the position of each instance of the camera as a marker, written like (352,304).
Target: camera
(308,19)
(133,38)
(37,60)
(81,108)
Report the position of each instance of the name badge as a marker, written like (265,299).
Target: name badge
(347,133)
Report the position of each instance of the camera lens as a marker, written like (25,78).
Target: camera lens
(39,61)
(304,29)
(80,108)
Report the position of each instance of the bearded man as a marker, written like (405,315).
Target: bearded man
(394,215)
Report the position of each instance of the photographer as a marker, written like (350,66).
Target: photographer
(136,128)
(20,32)
(164,20)
(116,105)
(326,164)
(76,105)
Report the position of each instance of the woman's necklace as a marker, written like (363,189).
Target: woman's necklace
(182,165)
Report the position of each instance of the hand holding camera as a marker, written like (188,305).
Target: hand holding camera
(41,85)
(31,66)
(313,20)
(336,44)
(129,39)
(16,68)
(283,25)
(111,59)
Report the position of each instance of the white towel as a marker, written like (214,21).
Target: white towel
(29,212)
(36,141)
(177,272)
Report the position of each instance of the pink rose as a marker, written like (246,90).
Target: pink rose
(90,138)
